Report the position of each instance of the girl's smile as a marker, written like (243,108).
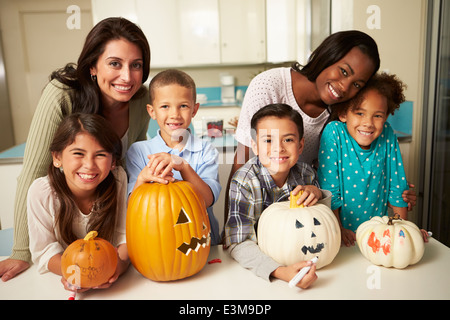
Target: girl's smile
(85,164)
(87,177)
(365,123)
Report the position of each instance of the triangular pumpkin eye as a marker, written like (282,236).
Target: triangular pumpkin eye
(183,217)
(298,224)
(316,222)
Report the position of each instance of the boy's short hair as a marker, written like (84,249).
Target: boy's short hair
(388,85)
(172,76)
(278,110)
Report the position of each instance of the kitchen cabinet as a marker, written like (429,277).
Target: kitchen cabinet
(180,32)
(195,32)
(242,31)
(295,28)
(199,33)
(211,32)
(282,30)
(157,20)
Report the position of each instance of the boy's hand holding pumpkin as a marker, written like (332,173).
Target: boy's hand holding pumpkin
(158,169)
(161,164)
(307,195)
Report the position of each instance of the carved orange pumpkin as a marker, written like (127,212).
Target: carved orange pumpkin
(168,231)
(89,262)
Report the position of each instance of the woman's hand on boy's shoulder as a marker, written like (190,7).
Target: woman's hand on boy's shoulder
(410,197)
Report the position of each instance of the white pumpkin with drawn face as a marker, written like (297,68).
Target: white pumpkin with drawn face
(390,242)
(290,235)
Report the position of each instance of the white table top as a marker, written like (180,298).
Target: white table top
(349,276)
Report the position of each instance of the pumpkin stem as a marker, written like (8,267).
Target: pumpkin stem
(91,235)
(293,200)
(395,217)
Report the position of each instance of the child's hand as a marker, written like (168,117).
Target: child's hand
(410,196)
(311,194)
(161,164)
(147,175)
(71,287)
(159,168)
(424,235)
(286,273)
(348,237)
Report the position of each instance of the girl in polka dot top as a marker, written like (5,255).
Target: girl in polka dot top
(359,157)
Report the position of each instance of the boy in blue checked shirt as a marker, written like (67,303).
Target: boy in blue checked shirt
(174,153)
(277,140)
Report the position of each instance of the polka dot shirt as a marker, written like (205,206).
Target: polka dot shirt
(362,182)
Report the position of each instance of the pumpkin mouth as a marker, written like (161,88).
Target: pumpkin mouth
(311,249)
(195,244)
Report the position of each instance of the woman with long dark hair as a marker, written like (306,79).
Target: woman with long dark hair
(335,72)
(107,80)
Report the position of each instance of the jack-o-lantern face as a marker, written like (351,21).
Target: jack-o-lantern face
(195,243)
(311,249)
(89,262)
(292,234)
(168,231)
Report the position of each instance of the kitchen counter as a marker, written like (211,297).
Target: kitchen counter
(225,142)
(349,276)
(13,155)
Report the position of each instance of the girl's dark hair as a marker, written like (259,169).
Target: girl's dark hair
(334,48)
(279,110)
(85,96)
(387,85)
(104,210)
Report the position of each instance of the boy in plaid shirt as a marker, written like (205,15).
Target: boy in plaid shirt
(277,140)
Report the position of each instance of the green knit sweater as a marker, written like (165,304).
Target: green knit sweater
(37,157)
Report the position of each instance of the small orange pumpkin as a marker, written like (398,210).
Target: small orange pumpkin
(168,231)
(89,262)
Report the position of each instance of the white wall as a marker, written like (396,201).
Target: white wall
(398,27)
(36,41)
(8,183)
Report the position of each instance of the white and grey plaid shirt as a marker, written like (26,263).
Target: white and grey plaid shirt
(252,190)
